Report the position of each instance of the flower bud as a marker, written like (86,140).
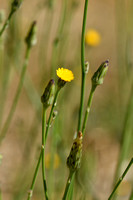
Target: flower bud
(48,95)
(31,39)
(16,4)
(98,77)
(74,158)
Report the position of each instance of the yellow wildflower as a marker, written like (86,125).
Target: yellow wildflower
(56,162)
(65,74)
(92,37)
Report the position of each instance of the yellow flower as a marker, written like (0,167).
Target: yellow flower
(92,37)
(56,161)
(65,74)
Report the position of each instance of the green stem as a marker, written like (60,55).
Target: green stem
(69,180)
(34,177)
(83,65)
(83,75)
(6,22)
(51,113)
(39,160)
(16,98)
(127,134)
(88,108)
(43,152)
(121,178)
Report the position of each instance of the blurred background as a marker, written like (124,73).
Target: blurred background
(108,142)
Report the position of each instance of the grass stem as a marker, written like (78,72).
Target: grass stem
(121,178)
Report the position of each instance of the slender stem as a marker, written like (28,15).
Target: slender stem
(43,152)
(83,73)
(16,98)
(34,177)
(6,23)
(83,65)
(127,134)
(39,160)
(68,184)
(88,108)
(51,113)
(121,178)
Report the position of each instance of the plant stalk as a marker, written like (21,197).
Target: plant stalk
(43,151)
(43,147)
(83,65)
(121,178)
(83,76)
(51,113)
(70,177)
(6,23)
(34,177)
(127,134)
(88,108)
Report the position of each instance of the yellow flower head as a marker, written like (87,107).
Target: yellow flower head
(65,74)
(92,37)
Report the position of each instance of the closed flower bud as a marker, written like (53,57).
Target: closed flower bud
(98,77)
(31,39)
(48,95)
(16,4)
(74,158)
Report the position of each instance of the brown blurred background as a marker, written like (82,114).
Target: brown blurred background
(58,45)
